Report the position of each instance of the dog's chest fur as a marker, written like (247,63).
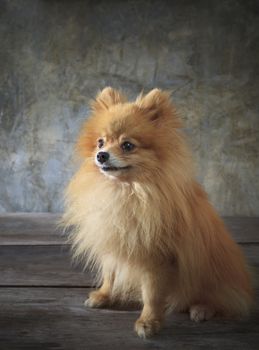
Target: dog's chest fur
(124,220)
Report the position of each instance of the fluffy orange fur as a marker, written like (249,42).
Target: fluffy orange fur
(149,228)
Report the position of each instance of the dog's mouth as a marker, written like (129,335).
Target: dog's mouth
(114,168)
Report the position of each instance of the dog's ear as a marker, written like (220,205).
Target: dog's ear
(106,98)
(155,104)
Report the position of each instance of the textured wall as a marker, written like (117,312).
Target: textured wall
(55,55)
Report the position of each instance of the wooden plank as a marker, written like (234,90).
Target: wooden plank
(30,228)
(42,228)
(243,229)
(55,318)
(40,266)
(51,266)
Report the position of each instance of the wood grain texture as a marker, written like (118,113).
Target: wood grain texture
(30,228)
(243,229)
(42,295)
(55,318)
(52,266)
(42,228)
(40,266)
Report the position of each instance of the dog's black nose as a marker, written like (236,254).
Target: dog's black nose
(102,157)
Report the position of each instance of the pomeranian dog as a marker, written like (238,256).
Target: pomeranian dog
(143,221)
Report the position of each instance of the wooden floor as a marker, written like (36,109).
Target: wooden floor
(42,296)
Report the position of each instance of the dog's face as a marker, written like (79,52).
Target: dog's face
(124,147)
(117,156)
(126,140)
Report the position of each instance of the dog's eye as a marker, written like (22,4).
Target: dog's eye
(100,143)
(127,146)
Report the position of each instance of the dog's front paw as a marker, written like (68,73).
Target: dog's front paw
(146,328)
(97,299)
(200,313)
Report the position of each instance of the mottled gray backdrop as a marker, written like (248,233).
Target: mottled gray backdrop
(55,55)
